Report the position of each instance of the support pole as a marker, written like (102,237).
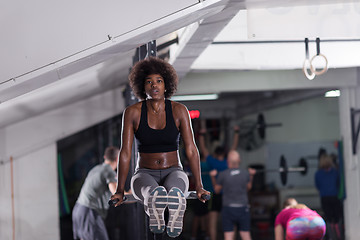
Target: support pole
(355,130)
(12,197)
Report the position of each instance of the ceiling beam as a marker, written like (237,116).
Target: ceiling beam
(201,82)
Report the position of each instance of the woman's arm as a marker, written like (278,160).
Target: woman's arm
(279,232)
(190,148)
(127,138)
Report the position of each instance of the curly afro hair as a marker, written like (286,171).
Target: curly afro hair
(152,65)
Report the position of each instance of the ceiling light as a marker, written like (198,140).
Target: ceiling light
(196,97)
(332,93)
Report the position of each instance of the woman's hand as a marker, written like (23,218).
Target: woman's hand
(118,197)
(203,195)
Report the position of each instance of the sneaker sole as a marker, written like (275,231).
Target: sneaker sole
(157,203)
(177,207)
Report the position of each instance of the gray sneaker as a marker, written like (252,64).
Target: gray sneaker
(157,203)
(177,207)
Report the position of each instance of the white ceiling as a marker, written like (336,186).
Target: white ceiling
(248,43)
(105,66)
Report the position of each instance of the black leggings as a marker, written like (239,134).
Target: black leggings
(332,208)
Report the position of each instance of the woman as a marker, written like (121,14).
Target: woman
(156,122)
(327,181)
(300,222)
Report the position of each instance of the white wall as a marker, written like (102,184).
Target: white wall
(316,119)
(35,196)
(32,144)
(306,125)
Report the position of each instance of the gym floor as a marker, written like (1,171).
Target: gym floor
(123,226)
(262,231)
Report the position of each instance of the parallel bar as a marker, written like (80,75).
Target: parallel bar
(129,198)
(269,170)
(296,169)
(285,41)
(167,44)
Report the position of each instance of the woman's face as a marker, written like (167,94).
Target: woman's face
(154,87)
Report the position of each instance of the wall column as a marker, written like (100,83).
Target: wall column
(350,98)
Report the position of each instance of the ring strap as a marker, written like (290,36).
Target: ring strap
(307,48)
(307,62)
(317,46)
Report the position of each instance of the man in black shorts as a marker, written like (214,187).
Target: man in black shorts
(235,184)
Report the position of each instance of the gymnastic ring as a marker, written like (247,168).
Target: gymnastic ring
(305,70)
(314,69)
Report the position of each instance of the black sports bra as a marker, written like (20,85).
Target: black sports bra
(151,140)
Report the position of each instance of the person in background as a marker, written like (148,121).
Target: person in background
(218,162)
(91,207)
(201,210)
(235,184)
(327,181)
(298,222)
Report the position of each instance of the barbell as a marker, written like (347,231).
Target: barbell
(284,169)
(260,125)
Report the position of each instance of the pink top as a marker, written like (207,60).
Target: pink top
(288,214)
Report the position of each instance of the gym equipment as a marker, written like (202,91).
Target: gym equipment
(308,62)
(355,129)
(260,125)
(129,198)
(252,133)
(318,54)
(303,164)
(284,169)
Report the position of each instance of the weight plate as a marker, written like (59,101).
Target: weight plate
(284,172)
(303,163)
(261,126)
